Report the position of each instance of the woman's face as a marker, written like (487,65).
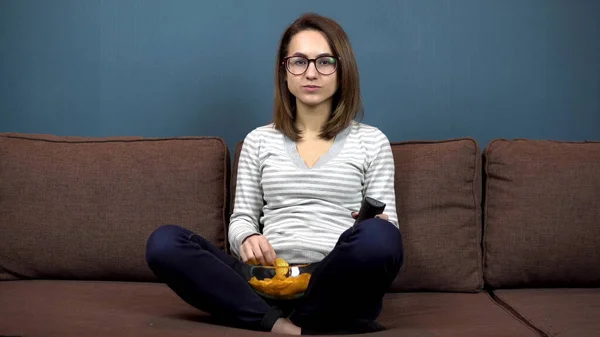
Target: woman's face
(311,82)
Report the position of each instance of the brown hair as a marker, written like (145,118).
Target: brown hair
(347,101)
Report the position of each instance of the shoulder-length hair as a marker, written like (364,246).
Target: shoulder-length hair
(347,100)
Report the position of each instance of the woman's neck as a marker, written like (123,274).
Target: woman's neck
(310,119)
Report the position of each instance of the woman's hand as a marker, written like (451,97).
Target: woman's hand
(380,216)
(256,249)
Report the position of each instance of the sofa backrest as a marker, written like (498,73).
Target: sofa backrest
(83,208)
(438,197)
(542,214)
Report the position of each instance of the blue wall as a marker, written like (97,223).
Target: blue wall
(429,69)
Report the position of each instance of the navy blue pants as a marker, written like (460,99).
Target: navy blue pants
(348,284)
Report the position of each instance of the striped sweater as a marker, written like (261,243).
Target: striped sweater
(303,210)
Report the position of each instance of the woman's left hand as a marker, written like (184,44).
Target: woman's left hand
(380,216)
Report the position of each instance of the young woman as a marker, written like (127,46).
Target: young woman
(300,183)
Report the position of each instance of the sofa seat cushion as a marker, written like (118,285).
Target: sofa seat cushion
(435,314)
(557,312)
(99,308)
(104,308)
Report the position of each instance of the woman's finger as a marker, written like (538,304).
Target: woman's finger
(250,258)
(257,251)
(268,252)
(243,255)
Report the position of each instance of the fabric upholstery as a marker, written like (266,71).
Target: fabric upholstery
(542,214)
(92,308)
(83,208)
(556,312)
(438,197)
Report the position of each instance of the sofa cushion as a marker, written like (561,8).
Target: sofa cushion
(92,308)
(98,308)
(438,198)
(556,312)
(83,208)
(435,314)
(542,214)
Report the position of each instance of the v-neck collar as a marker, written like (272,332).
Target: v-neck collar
(333,151)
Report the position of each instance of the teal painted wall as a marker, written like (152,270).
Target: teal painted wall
(429,69)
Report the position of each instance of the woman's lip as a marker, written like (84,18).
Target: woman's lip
(311,88)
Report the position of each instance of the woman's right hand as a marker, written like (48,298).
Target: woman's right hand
(257,249)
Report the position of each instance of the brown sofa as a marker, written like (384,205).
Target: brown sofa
(504,242)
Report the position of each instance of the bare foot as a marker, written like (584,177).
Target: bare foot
(285,326)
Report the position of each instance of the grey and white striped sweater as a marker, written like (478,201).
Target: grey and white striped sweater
(305,210)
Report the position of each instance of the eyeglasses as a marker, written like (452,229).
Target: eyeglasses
(297,65)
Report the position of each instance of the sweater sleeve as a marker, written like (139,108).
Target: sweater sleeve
(379,178)
(248,200)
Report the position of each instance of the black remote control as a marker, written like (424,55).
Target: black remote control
(369,208)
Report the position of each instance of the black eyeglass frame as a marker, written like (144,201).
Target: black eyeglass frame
(314,60)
